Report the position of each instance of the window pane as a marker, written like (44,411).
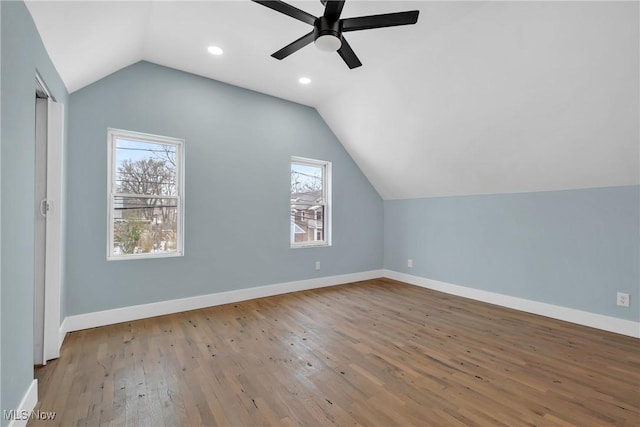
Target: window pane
(144,225)
(145,168)
(306,183)
(309,210)
(307,223)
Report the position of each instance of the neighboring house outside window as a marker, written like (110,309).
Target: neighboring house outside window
(146,195)
(310,202)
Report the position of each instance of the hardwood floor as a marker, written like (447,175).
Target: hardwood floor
(371,353)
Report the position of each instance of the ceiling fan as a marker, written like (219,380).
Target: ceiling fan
(328,28)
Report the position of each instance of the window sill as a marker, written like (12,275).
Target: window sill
(144,256)
(310,245)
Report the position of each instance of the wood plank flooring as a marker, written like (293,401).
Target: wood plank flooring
(373,353)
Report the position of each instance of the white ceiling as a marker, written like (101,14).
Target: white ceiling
(476,98)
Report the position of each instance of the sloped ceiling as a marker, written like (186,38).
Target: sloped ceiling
(477,98)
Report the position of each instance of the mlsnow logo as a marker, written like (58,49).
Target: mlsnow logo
(24,415)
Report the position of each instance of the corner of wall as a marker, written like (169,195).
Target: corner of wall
(579,317)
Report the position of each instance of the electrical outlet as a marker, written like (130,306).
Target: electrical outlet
(317,265)
(623,299)
(410,263)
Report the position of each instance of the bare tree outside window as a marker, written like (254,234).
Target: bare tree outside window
(309,181)
(145,197)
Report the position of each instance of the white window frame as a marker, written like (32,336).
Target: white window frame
(326,197)
(112,136)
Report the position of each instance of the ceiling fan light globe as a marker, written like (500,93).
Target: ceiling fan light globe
(328,43)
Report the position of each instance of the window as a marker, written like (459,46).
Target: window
(310,202)
(146,195)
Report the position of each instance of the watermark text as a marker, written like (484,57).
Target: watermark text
(23,415)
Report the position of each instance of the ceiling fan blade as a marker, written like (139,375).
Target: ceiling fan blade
(333,9)
(380,21)
(287,9)
(348,55)
(293,47)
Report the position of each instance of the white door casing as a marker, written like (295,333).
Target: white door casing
(40,228)
(49,216)
(55,215)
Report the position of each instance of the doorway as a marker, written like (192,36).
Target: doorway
(48,224)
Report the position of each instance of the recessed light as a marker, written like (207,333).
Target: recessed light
(215,50)
(304,80)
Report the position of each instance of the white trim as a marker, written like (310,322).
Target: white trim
(62,332)
(53,240)
(40,230)
(593,320)
(42,84)
(149,255)
(114,134)
(325,165)
(310,244)
(125,314)
(28,403)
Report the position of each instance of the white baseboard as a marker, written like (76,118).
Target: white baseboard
(27,405)
(62,333)
(585,318)
(125,314)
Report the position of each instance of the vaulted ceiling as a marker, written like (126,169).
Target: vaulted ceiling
(476,98)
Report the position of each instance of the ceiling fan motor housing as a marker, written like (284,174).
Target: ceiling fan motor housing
(329,34)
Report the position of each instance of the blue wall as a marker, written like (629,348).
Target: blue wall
(237,152)
(573,248)
(22,55)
